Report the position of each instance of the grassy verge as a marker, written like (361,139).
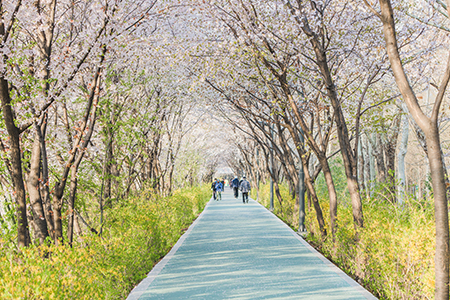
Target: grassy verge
(394,257)
(137,233)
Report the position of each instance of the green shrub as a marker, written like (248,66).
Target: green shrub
(286,211)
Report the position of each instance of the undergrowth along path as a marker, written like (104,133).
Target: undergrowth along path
(242,251)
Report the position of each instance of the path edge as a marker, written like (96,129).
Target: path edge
(359,288)
(138,290)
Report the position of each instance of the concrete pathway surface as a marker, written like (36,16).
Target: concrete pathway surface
(242,251)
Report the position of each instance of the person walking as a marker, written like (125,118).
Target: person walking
(235,186)
(219,189)
(213,188)
(245,189)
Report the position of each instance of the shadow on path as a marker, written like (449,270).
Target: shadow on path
(242,251)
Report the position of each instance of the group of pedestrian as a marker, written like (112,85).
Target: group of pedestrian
(217,187)
(237,185)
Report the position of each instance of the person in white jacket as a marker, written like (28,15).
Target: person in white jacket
(244,187)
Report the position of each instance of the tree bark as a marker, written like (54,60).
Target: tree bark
(401,160)
(390,147)
(23,236)
(372,172)
(313,198)
(361,173)
(367,178)
(44,183)
(72,195)
(379,157)
(16,163)
(41,230)
(331,193)
(108,164)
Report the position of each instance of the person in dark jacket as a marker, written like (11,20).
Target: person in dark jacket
(235,186)
(245,189)
(213,188)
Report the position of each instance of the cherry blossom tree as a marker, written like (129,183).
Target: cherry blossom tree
(429,126)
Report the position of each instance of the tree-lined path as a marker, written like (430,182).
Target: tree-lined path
(242,251)
(116,115)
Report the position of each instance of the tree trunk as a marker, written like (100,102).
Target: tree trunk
(72,195)
(107,172)
(77,227)
(379,157)
(372,171)
(112,117)
(315,201)
(170,176)
(440,213)
(280,199)
(331,194)
(57,216)
(367,177)
(390,147)
(16,164)
(361,166)
(41,230)
(401,160)
(44,183)
(349,161)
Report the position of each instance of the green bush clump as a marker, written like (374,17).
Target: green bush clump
(392,256)
(136,234)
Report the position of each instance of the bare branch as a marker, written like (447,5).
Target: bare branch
(441,93)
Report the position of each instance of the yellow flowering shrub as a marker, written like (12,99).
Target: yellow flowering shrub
(392,256)
(136,234)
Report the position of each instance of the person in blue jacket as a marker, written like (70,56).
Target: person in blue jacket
(219,190)
(235,185)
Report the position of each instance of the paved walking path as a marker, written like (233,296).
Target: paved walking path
(242,251)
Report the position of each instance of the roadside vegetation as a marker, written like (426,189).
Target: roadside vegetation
(136,234)
(390,256)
